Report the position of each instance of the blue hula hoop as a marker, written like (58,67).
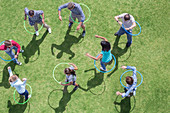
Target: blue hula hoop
(131,33)
(128,71)
(105,71)
(1,57)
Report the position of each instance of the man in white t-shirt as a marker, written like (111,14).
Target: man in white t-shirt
(129,23)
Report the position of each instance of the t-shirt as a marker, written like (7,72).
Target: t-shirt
(36,18)
(5,48)
(127,23)
(107,56)
(19,85)
(71,78)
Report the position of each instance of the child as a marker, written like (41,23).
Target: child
(8,45)
(18,84)
(105,53)
(35,18)
(71,76)
(131,83)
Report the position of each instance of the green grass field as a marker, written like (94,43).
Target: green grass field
(149,53)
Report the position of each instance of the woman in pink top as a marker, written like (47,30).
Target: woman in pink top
(8,45)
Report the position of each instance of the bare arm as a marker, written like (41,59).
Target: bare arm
(100,56)
(97,36)
(75,67)
(59,14)
(117,19)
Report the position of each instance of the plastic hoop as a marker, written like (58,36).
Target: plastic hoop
(54,76)
(32,32)
(27,99)
(128,71)
(105,71)
(131,33)
(1,57)
(87,18)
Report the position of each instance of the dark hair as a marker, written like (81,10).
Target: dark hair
(70,5)
(129,80)
(127,17)
(7,43)
(31,12)
(69,71)
(105,45)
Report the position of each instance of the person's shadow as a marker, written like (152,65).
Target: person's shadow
(125,105)
(94,82)
(65,46)
(17,108)
(63,101)
(117,52)
(5,77)
(32,47)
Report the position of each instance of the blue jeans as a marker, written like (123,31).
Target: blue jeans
(26,94)
(103,65)
(129,37)
(12,55)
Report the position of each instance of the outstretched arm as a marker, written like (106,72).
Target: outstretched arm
(100,56)
(97,36)
(59,10)
(75,67)
(10,71)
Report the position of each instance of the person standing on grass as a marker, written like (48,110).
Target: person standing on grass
(76,12)
(131,83)
(129,23)
(105,53)
(35,18)
(18,84)
(8,45)
(71,76)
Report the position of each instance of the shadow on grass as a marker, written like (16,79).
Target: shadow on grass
(118,52)
(17,108)
(63,101)
(125,105)
(32,47)
(5,77)
(65,47)
(97,80)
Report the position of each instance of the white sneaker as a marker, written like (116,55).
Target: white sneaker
(102,69)
(29,96)
(36,33)
(49,30)
(19,63)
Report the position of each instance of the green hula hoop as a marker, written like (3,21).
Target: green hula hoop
(32,32)
(87,18)
(54,76)
(26,100)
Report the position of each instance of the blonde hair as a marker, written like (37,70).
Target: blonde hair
(13,78)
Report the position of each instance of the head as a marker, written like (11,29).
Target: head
(129,80)
(70,6)
(127,17)
(68,71)
(13,78)
(8,43)
(105,45)
(31,13)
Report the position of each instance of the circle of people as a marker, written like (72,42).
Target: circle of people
(37,17)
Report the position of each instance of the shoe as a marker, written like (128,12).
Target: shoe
(37,34)
(75,88)
(84,33)
(102,69)
(128,45)
(116,34)
(19,63)
(49,30)
(29,96)
(21,51)
(70,25)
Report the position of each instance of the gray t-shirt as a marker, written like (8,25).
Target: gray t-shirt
(71,78)
(127,23)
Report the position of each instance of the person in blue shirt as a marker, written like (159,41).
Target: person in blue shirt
(105,53)
(131,83)
(18,84)
(76,12)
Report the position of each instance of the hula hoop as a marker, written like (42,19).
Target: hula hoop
(27,99)
(54,76)
(105,71)
(128,71)
(29,31)
(131,33)
(1,57)
(87,18)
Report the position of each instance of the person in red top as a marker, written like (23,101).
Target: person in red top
(8,45)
